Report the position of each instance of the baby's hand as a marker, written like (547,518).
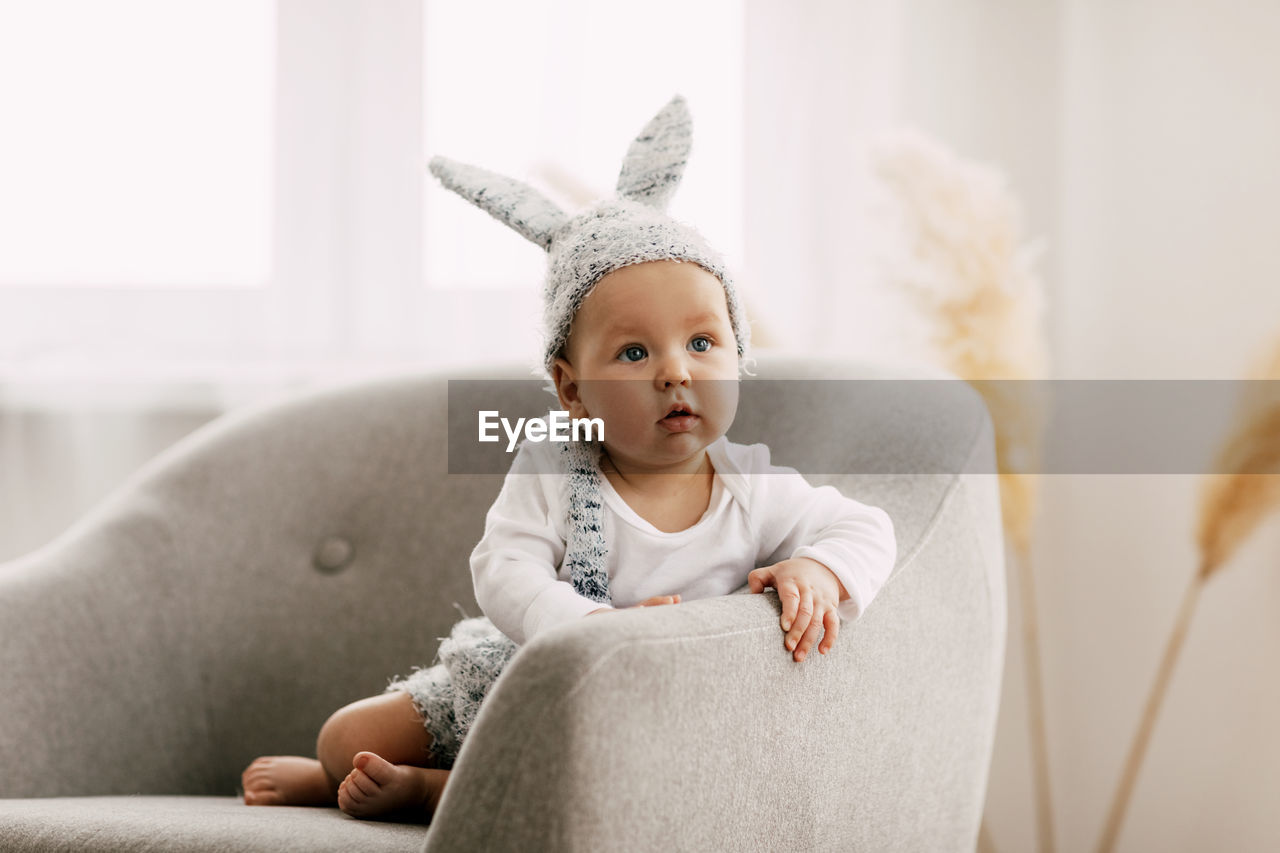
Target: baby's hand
(810,594)
(648,602)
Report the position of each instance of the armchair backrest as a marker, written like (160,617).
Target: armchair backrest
(290,558)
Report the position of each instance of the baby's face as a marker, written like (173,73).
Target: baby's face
(647,337)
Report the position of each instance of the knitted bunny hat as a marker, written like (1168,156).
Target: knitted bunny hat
(631,228)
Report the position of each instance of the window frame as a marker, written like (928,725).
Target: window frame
(346,135)
(348,284)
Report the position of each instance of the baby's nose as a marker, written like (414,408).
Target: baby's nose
(673,370)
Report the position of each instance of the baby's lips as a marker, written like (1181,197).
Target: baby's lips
(687,409)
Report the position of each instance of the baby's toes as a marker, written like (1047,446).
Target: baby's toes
(263,797)
(252,771)
(259,790)
(347,796)
(361,781)
(260,772)
(360,792)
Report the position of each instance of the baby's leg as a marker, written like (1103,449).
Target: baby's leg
(387,725)
(380,746)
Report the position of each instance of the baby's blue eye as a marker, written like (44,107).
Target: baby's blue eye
(633,353)
(700,344)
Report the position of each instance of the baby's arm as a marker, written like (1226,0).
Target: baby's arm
(827,554)
(853,540)
(648,602)
(514,565)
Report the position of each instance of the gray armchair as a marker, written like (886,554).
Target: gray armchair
(290,558)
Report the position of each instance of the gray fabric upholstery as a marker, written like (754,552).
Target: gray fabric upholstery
(196,619)
(167,824)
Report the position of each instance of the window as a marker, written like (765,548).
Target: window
(546,99)
(137,144)
(180,177)
(203,187)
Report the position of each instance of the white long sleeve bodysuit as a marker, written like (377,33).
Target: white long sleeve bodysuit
(759,514)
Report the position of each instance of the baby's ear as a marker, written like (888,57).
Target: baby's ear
(656,159)
(566,383)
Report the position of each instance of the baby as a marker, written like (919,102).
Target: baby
(644,332)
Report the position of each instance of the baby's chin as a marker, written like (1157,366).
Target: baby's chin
(679,448)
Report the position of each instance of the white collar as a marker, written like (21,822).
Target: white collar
(727,469)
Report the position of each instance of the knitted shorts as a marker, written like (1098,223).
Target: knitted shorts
(449,693)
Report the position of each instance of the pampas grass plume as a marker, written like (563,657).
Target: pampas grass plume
(1242,488)
(1245,483)
(954,247)
(953,240)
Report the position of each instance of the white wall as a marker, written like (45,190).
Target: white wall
(1168,270)
(1169,187)
(1142,138)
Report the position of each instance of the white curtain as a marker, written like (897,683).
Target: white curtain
(58,462)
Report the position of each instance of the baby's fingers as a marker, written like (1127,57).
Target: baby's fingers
(808,639)
(802,613)
(789,595)
(760,578)
(832,621)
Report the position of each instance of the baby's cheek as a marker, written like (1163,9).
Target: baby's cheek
(724,399)
(623,425)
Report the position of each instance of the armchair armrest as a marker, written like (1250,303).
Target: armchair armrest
(691,727)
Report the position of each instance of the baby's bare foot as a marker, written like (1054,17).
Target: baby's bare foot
(376,787)
(286,780)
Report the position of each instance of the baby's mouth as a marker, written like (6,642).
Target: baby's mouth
(679,419)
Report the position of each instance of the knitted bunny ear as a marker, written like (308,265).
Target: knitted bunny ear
(513,203)
(655,161)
